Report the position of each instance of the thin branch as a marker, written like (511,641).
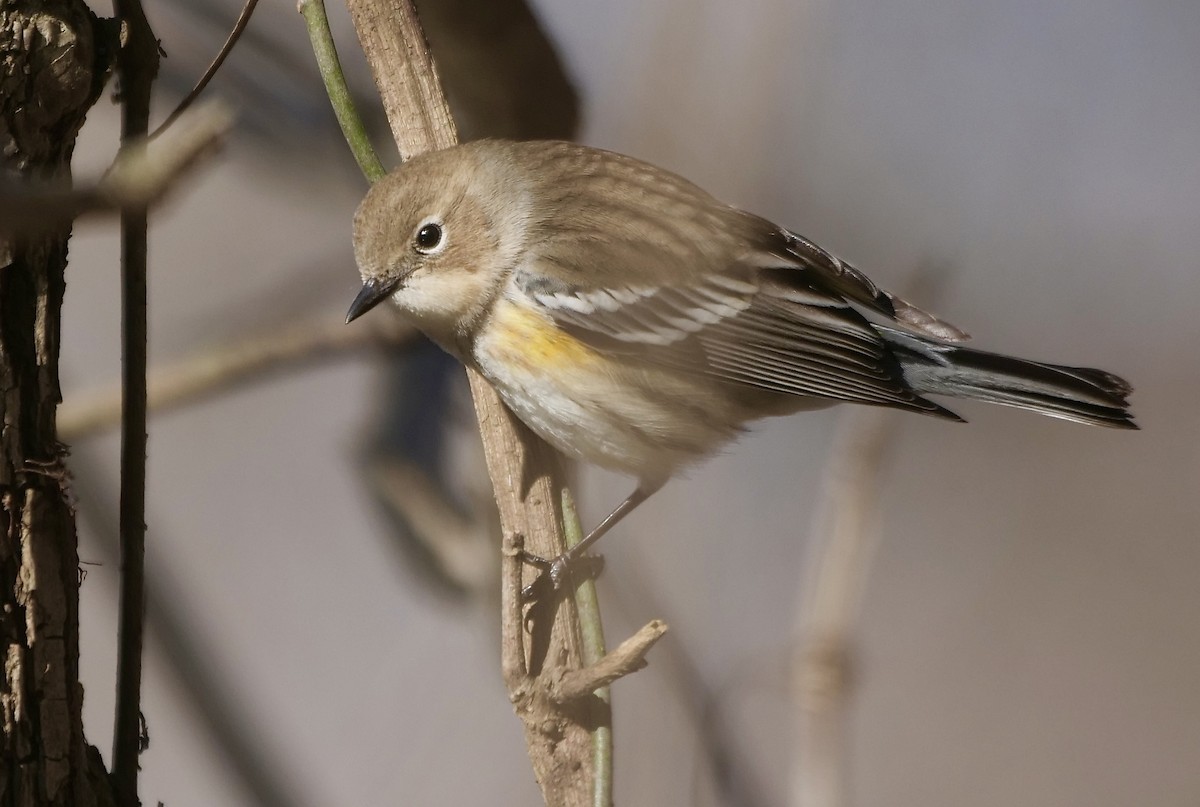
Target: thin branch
(514,667)
(629,657)
(139,177)
(238,27)
(459,547)
(551,698)
(846,526)
(565,768)
(721,761)
(218,369)
(137,66)
(847,533)
(336,88)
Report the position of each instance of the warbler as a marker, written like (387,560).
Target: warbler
(634,321)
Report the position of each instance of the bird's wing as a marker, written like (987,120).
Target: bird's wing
(834,274)
(636,260)
(777,329)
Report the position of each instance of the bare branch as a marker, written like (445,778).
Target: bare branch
(460,547)
(513,666)
(139,177)
(238,27)
(845,526)
(629,657)
(405,75)
(218,369)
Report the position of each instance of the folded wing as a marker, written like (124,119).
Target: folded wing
(778,329)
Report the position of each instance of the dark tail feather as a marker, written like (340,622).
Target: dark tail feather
(1080,394)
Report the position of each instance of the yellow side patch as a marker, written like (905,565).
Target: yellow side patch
(531,337)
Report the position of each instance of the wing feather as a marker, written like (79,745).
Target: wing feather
(637,261)
(854,285)
(743,328)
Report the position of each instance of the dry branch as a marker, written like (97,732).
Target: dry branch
(239,28)
(629,657)
(218,369)
(139,177)
(847,531)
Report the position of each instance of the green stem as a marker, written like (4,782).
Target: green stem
(348,118)
(591,632)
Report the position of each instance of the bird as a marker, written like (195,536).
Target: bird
(636,322)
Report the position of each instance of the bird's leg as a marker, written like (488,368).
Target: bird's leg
(556,569)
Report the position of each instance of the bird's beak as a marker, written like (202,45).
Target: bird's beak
(372,294)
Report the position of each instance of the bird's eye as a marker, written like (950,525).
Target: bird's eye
(429,237)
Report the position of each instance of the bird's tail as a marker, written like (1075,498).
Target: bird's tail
(1080,394)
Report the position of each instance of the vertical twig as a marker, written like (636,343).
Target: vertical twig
(846,530)
(137,66)
(848,533)
(592,651)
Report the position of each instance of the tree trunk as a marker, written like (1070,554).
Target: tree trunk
(50,75)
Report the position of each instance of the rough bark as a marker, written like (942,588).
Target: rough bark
(49,78)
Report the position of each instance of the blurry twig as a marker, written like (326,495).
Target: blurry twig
(723,758)
(823,671)
(238,27)
(502,74)
(217,703)
(139,177)
(218,369)
(461,548)
(847,531)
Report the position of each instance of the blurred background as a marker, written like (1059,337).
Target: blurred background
(1030,627)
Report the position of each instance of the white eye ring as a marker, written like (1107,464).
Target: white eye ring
(430,237)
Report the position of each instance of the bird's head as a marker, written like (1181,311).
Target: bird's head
(438,236)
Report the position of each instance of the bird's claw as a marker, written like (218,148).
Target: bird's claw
(556,572)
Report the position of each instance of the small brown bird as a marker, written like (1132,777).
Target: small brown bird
(634,321)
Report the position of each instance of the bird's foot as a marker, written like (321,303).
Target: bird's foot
(557,572)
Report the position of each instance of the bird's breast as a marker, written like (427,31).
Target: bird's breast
(595,406)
